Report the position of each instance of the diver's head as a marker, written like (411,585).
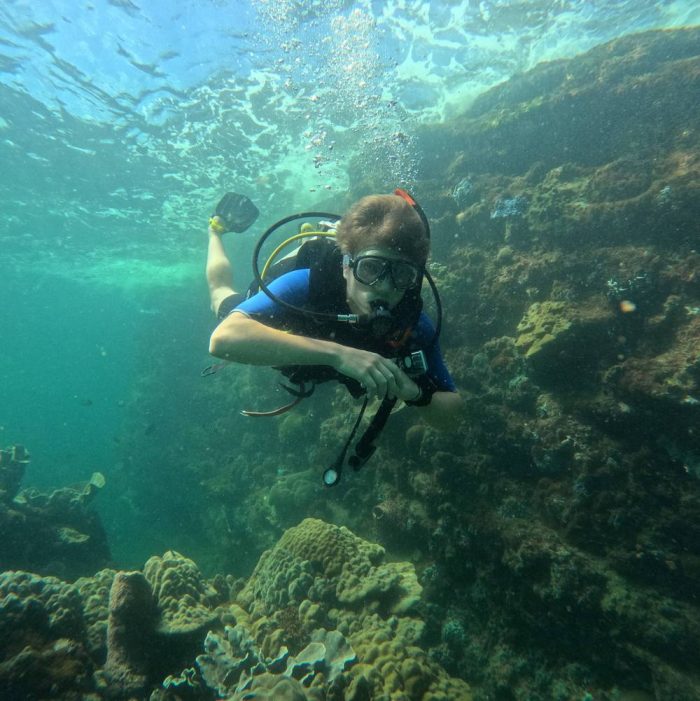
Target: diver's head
(384,221)
(385,247)
(378,277)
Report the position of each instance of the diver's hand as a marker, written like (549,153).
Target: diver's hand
(378,375)
(409,391)
(216,226)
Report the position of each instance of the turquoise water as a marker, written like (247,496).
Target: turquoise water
(122,122)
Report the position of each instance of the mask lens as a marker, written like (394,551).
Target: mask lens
(369,270)
(404,275)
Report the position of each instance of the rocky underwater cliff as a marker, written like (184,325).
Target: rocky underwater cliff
(567,510)
(548,549)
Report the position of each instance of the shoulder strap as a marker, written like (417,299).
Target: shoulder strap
(326,283)
(319,256)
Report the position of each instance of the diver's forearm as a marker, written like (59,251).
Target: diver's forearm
(444,411)
(243,340)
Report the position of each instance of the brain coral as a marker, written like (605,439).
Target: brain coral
(41,638)
(335,576)
(95,594)
(393,667)
(38,607)
(185,600)
(319,561)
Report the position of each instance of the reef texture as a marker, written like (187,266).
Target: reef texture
(42,634)
(556,533)
(321,623)
(561,524)
(129,634)
(185,600)
(57,533)
(324,575)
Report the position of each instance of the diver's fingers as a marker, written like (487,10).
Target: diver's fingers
(392,384)
(369,386)
(395,377)
(376,384)
(377,375)
(369,382)
(384,382)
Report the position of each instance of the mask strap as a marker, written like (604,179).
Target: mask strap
(405,195)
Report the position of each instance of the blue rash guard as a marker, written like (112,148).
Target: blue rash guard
(293,288)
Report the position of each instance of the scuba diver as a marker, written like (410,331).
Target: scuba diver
(346,307)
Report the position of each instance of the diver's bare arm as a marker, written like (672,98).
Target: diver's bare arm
(444,410)
(243,340)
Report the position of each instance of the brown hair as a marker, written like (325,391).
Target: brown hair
(384,221)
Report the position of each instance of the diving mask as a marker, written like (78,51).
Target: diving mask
(370,269)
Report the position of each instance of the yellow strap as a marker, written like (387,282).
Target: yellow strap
(291,239)
(214,224)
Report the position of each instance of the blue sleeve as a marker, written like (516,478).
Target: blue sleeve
(292,287)
(437,370)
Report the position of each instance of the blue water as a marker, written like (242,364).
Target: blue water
(122,122)
(66,369)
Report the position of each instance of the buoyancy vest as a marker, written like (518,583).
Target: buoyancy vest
(327,294)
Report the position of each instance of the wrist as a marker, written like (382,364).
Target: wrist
(216,226)
(331,353)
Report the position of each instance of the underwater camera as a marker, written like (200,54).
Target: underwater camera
(414,364)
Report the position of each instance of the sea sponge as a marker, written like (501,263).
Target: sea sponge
(130,629)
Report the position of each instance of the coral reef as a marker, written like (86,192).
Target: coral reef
(555,534)
(95,594)
(567,504)
(333,577)
(561,339)
(567,511)
(184,599)
(368,647)
(41,638)
(57,533)
(318,561)
(317,666)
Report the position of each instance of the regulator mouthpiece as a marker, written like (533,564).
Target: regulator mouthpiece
(380,319)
